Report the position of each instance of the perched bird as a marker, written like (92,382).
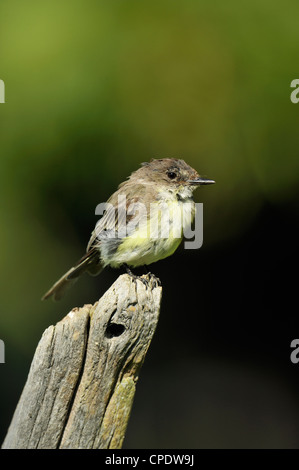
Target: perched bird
(142,222)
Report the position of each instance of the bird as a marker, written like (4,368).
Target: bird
(142,222)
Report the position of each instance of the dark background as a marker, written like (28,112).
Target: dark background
(92,90)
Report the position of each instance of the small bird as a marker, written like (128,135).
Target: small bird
(143,221)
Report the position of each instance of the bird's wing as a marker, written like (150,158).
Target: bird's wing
(121,209)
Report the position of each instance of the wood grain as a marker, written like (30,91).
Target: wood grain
(82,381)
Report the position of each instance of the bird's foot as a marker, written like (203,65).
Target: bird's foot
(132,275)
(149,279)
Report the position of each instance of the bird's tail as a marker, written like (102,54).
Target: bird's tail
(90,263)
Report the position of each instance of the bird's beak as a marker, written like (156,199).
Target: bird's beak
(201,181)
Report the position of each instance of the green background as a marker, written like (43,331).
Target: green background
(95,88)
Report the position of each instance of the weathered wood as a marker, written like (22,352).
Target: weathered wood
(82,381)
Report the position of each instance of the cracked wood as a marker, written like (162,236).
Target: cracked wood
(82,380)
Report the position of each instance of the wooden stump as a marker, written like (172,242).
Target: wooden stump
(82,380)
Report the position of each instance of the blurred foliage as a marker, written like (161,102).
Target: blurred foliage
(95,88)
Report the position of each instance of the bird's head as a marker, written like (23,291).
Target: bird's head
(171,173)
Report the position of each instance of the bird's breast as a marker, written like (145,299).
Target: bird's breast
(158,234)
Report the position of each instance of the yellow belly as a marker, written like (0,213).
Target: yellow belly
(158,237)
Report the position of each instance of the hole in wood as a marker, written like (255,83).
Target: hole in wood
(114,329)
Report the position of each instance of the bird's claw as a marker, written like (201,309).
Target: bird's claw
(149,280)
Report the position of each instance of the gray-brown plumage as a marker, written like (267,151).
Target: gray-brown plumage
(167,180)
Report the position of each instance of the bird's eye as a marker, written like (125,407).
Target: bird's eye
(171,175)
